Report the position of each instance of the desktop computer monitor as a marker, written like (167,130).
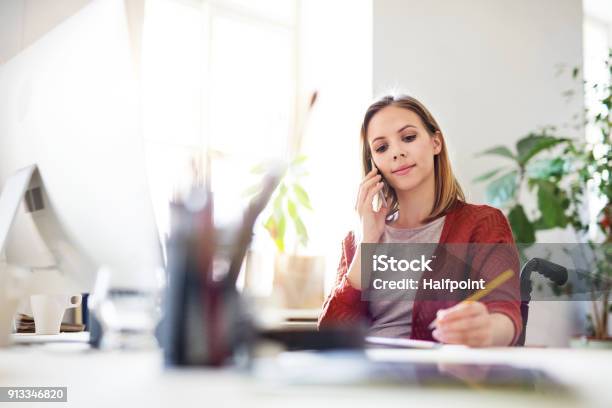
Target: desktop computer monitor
(69,105)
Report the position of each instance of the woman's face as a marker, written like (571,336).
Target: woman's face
(401,147)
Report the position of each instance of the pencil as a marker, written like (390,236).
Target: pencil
(479,294)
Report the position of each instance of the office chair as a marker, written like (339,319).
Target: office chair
(556,273)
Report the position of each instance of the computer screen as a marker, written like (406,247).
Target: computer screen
(69,105)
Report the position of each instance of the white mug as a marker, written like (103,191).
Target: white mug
(48,311)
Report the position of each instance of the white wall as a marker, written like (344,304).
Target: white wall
(486,69)
(24,21)
(11,23)
(337,62)
(599,9)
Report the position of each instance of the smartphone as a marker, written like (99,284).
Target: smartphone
(379,200)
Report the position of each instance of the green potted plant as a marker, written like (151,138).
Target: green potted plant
(288,203)
(525,166)
(560,172)
(298,278)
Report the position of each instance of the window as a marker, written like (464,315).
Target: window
(231,75)
(597,41)
(218,75)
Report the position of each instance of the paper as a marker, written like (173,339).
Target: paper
(402,342)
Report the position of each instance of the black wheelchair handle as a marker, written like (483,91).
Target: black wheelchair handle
(555,272)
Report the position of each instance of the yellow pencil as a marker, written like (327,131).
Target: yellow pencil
(479,294)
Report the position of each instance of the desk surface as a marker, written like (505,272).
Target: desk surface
(114,378)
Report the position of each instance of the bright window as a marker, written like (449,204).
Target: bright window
(231,75)
(218,75)
(597,41)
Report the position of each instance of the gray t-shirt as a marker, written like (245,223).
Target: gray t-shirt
(393,318)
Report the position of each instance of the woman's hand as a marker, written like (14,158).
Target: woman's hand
(470,323)
(372,222)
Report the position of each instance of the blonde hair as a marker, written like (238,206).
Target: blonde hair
(447,188)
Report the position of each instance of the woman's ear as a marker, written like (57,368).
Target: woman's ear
(437,142)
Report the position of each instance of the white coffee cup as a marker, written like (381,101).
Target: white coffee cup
(48,311)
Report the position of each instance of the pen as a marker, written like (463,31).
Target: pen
(501,278)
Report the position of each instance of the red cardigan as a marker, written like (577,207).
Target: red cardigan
(464,223)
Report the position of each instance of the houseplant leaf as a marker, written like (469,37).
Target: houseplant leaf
(550,203)
(521,226)
(280,237)
(498,151)
(502,190)
(488,175)
(533,144)
(300,228)
(299,160)
(302,196)
(270,226)
(546,168)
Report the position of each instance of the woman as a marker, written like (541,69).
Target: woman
(424,203)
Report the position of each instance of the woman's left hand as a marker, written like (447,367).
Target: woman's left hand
(468,323)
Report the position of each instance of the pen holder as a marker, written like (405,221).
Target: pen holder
(206,320)
(205,323)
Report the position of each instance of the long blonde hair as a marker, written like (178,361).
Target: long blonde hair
(447,188)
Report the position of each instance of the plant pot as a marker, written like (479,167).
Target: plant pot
(591,343)
(299,280)
(259,274)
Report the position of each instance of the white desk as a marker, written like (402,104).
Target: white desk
(138,379)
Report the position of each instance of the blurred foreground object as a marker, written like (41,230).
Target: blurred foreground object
(206,319)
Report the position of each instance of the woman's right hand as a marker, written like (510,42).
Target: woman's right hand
(372,222)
